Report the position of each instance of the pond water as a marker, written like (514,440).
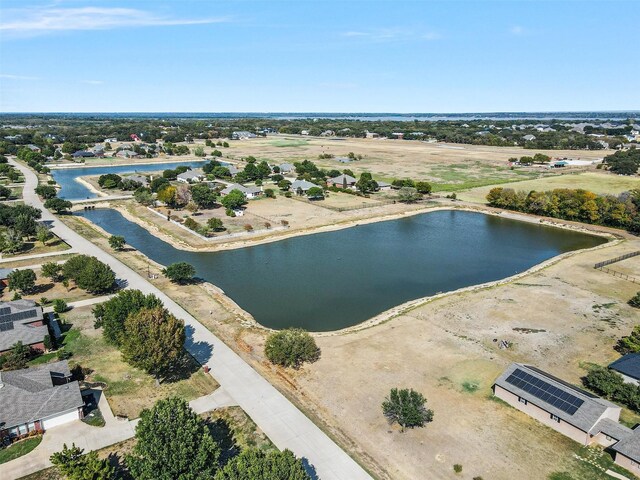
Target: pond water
(72,190)
(332,280)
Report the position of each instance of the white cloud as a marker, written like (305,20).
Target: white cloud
(8,76)
(32,21)
(392,34)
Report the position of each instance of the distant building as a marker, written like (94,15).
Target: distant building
(83,154)
(372,135)
(22,321)
(127,154)
(144,181)
(250,192)
(383,186)
(33,148)
(529,138)
(398,135)
(38,398)
(301,186)
(342,181)
(110,140)
(243,135)
(191,176)
(286,168)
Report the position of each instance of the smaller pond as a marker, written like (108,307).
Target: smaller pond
(333,280)
(72,190)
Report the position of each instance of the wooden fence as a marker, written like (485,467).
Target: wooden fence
(602,266)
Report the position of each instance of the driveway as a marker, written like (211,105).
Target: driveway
(277,417)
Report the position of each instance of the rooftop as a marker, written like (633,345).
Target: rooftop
(15,319)
(628,365)
(36,393)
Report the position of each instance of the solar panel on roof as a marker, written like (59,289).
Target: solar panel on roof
(5,310)
(560,399)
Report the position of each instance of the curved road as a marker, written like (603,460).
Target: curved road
(277,417)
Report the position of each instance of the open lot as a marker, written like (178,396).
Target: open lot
(601,183)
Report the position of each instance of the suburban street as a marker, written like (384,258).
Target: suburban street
(277,417)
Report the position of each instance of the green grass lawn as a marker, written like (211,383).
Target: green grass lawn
(288,142)
(601,183)
(19,449)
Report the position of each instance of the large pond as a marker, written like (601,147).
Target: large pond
(73,190)
(334,280)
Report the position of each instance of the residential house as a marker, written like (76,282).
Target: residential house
(342,181)
(301,186)
(575,413)
(191,176)
(250,192)
(398,135)
(110,140)
(629,367)
(233,170)
(304,132)
(286,168)
(22,321)
(529,138)
(38,398)
(127,154)
(98,151)
(243,135)
(371,134)
(328,133)
(83,154)
(383,186)
(33,148)
(144,181)
(4,274)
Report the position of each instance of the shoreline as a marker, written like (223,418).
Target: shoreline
(124,164)
(90,187)
(393,312)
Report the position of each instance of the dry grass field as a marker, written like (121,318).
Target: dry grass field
(597,182)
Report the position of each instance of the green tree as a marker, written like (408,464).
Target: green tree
(234,200)
(203,196)
(256,464)
(51,270)
(23,281)
(58,205)
(315,193)
(173,443)
(153,341)
(89,273)
(423,188)
(143,196)
(5,192)
(199,152)
(112,314)
(167,195)
(117,242)
(180,272)
(43,234)
(46,191)
(71,463)
(216,224)
(630,343)
(366,183)
(18,357)
(406,407)
(59,305)
(408,195)
(291,348)
(635,302)
(25,225)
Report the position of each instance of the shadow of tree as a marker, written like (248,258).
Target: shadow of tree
(223,435)
(201,351)
(309,468)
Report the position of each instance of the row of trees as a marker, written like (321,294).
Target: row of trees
(172,442)
(622,211)
(19,223)
(610,384)
(624,162)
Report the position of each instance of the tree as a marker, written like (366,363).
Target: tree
(635,302)
(153,341)
(143,196)
(5,192)
(203,196)
(256,464)
(423,188)
(17,357)
(234,200)
(23,281)
(167,195)
(59,305)
(75,466)
(51,270)
(366,183)
(180,272)
(89,273)
(315,193)
(112,314)
(158,184)
(291,348)
(199,152)
(630,343)
(46,191)
(406,407)
(408,195)
(117,242)
(173,443)
(216,224)
(25,225)
(43,234)
(58,205)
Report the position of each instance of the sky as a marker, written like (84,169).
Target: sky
(318,56)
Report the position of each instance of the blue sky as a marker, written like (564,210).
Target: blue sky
(323,56)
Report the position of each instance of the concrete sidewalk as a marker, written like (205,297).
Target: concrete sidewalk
(275,415)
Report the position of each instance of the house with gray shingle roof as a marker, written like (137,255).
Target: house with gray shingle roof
(629,367)
(250,192)
(191,176)
(21,321)
(301,185)
(38,398)
(580,415)
(286,168)
(342,181)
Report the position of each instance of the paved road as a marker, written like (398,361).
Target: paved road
(277,417)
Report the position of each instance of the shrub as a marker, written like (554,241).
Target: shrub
(248,228)
(191,224)
(59,305)
(635,300)
(406,407)
(180,272)
(230,213)
(216,224)
(457,468)
(284,223)
(291,348)
(269,193)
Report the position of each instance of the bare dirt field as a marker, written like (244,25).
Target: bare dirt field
(600,183)
(446,350)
